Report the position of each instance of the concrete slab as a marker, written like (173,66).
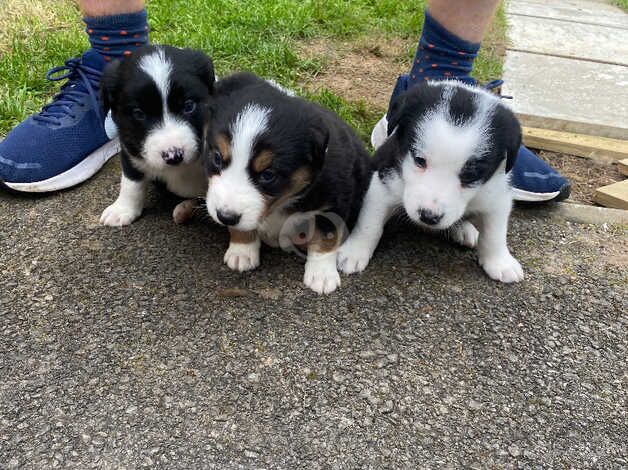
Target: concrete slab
(568,90)
(555,37)
(581,11)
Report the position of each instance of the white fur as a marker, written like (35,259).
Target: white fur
(380,202)
(446,146)
(171,132)
(465,234)
(186,179)
(128,206)
(243,256)
(232,191)
(320,272)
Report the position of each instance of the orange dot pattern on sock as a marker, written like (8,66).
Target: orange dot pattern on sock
(107,58)
(90,31)
(104,38)
(106,48)
(431,46)
(127,53)
(434,66)
(123,33)
(137,36)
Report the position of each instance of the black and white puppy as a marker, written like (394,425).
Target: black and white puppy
(448,157)
(158,97)
(283,170)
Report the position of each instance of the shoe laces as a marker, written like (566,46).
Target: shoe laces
(82,81)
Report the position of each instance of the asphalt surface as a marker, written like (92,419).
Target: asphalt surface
(137,347)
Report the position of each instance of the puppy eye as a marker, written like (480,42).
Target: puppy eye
(138,114)
(189,106)
(267,176)
(217,159)
(420,161)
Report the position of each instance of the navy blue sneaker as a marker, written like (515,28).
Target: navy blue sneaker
(65,143)
(532,179)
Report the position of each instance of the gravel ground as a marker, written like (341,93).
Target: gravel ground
(137,347)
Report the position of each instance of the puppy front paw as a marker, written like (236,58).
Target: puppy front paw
(504,268)
(465,234)
(242,256)
(353,256)
(120,214)
(321,274)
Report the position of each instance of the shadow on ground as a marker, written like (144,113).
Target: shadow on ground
(138,347)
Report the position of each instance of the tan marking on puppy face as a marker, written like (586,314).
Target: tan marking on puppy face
(224,146)
(300,180)
(262,161)
(236,236)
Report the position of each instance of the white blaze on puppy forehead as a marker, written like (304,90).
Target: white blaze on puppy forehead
(233,191)
(439,134)
(159,68)
(172,133)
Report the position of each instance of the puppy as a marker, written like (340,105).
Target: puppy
(159,98)
(283,170)
(448,157)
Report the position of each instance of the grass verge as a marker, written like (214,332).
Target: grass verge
(263,37)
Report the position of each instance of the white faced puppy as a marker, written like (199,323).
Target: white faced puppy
(284,170)
(158,98)
(449,151)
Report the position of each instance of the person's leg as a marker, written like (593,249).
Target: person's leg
(66,142)
(448,46)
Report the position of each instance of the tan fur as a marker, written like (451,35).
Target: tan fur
(224,146)
(236,236)
(300,180)
(262,161)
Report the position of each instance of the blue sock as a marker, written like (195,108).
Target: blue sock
(442,55)
(114,37)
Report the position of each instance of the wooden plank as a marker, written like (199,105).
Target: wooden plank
(622,166)
(597,148)
(614,195)
(576,127)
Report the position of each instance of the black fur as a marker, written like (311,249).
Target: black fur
(410,107)
(300,134)
(125,88)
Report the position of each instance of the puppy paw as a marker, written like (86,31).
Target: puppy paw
(465,234)
(242,256)
(503,268)
(353,256)
(184,211)
(119,214)
(321,275)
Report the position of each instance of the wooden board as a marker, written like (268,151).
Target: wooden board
(614,195)
(598,148)
(622,166)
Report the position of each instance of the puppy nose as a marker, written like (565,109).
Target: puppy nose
(228,218)
(429,217)
(173,156)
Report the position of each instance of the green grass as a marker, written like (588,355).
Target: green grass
(261,36)
(622,4)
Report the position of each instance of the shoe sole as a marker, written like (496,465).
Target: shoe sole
(87,168)
(526,196)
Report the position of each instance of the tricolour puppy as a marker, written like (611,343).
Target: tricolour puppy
(158,98)
(449,151)
(285,171)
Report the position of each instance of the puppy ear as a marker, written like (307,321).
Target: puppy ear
(510,129)
(319,141)
(204,69)
(108,84)
(395,111)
